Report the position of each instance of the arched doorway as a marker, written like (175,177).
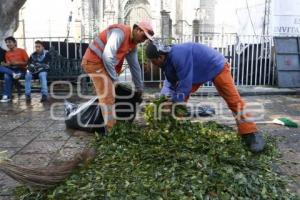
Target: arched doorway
(136,10)
(136,14)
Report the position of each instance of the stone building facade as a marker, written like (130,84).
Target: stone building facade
(170,18)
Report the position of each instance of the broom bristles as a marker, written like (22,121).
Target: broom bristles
(46,177)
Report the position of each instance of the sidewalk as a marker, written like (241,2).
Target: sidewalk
(243,90)
(253,90)
(33,139)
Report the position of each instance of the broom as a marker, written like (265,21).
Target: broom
(46,177)
(285,122)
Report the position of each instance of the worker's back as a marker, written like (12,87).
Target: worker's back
(205,62)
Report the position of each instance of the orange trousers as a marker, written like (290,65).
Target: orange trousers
(225,86)
(104,88)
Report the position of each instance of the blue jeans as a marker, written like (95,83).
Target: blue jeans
(43,82)
(8,79)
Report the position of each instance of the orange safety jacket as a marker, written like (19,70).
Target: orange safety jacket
(95,50)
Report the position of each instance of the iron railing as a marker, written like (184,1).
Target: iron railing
(251,56)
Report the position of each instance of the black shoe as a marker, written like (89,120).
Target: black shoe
(44,99)
(255,142)
(28,98)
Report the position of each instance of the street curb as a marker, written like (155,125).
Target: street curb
(246,92)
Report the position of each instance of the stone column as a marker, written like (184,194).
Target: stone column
(196,30)
(166,25)
(179,18)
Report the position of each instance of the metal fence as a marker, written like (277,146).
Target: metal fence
(251,56)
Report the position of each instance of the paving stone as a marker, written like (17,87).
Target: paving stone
(34,160)
(39,107)
(14,142)
(37,124)
(53,135)
(7,185)
(24,132)
(6,197)
(57,126)
(9,125)
(10,151)
(3,132)
(47,147)
(5,110)
(44,115)
(77,142)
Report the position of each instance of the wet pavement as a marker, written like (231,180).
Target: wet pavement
(34,136)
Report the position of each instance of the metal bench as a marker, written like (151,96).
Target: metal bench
(66,69)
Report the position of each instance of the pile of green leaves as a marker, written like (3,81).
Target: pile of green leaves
(172,159)
(155,112)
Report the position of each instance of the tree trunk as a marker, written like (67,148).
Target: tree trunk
(9,16)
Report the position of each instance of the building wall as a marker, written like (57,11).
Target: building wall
(182,13)
(91,16)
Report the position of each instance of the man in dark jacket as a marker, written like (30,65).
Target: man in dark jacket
(38,66)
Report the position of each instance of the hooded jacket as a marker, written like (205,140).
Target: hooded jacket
(187,64)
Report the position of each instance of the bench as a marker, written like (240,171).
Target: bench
(66,69)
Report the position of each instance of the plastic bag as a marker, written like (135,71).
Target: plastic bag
(201,111)
(88,116)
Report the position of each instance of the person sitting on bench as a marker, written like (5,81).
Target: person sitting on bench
(14,67)
(38,66)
